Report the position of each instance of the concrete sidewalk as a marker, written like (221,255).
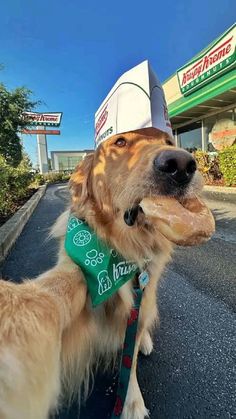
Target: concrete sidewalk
(10,231)
(220,193)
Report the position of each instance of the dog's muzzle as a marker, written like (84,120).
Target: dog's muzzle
(173,170)
(176,165)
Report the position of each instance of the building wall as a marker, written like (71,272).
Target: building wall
(172,90)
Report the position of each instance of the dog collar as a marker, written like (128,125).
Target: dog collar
(105,270)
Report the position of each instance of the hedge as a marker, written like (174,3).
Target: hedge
(14,186)
(51,177)
(218,169)
(209,166)
(227,158)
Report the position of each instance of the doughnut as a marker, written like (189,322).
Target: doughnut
(186,222)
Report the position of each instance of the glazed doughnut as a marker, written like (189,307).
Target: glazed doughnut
(187,222)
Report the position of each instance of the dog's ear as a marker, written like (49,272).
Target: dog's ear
(80,181)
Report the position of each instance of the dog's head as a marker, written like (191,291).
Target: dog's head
(109,184)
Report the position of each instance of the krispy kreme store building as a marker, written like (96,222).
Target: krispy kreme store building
(201,97)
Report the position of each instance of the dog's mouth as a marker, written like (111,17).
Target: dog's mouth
(131,215)
(135,211)
(184,191)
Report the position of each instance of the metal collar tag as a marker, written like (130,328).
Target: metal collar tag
(143,279)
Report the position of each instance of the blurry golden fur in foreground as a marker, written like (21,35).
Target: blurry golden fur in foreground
(51,339)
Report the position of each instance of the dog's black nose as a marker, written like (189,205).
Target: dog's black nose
(179,165)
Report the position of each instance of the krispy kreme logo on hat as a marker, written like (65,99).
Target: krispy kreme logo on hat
(136,101)
(104,136)
(101,121)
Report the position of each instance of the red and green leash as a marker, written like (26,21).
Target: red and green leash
(127,354)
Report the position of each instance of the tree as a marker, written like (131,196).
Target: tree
(12,105)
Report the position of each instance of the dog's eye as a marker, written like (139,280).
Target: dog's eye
(120,142)
(168,142)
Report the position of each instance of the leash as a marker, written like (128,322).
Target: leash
(128,347)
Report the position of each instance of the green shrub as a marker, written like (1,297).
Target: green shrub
(14,184)
(50,177)
(227,158)
(203,163)
(209,166)
(53,177)
(38,180)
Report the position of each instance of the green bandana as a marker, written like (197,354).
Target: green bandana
(104,269)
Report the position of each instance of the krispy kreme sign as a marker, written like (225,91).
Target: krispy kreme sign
(45,119)
(217,59)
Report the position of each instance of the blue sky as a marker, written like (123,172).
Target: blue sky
(70,53)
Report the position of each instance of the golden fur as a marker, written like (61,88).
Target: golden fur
(51,340)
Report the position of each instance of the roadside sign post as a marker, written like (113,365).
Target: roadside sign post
(42,153)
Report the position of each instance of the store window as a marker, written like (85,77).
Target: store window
(190,137)
(68,163)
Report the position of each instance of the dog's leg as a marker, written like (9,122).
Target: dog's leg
(146,344)
(28,391)
(29,352)
(134,407)
(149,317)
(33,317)
(67,285)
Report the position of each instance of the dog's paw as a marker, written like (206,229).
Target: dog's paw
(135,410)
(146,344)
(134,407)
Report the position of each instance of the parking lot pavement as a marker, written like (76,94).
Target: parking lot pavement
(191,372)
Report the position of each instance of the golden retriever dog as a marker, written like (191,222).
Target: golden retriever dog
(51,338)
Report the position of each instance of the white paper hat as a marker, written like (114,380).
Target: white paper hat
(136,101)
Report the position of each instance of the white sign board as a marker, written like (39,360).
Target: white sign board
(136,101)
(223,134)
(45,119)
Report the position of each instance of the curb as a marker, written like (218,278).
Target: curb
(219,193)
(10,231)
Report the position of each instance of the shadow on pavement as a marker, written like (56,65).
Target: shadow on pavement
(99,404)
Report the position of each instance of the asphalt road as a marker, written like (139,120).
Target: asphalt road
(191,372)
